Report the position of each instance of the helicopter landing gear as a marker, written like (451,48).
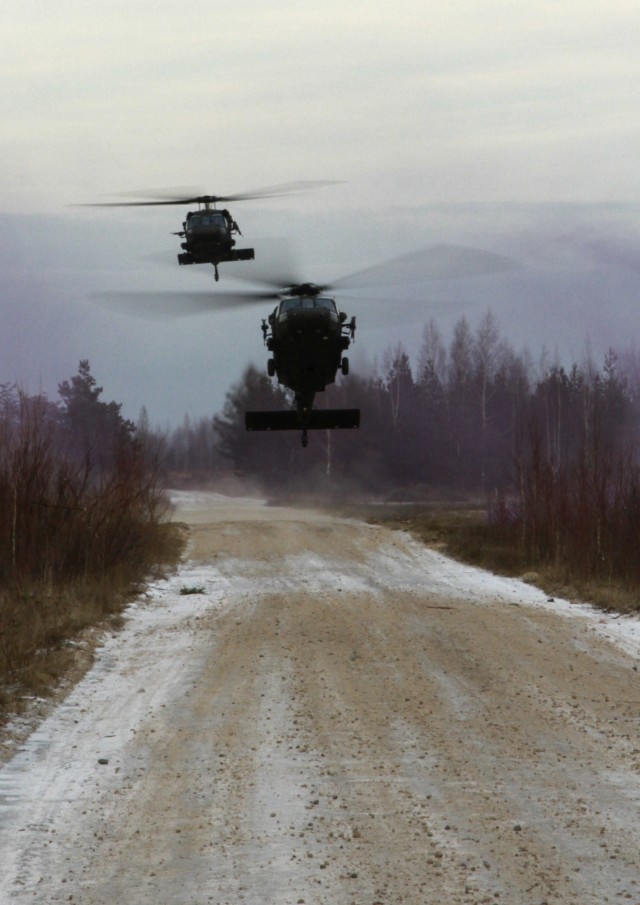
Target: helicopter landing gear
(305,438)
(217,275)
(271,367)
(344,366)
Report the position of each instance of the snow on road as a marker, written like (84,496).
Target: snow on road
(339,715)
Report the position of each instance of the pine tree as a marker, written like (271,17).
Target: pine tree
(93,430)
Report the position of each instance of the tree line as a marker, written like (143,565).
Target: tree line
(552,450)
(459,417)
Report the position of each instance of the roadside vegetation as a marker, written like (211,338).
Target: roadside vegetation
(83,521)
(465,533)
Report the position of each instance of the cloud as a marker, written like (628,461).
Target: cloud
(491,101)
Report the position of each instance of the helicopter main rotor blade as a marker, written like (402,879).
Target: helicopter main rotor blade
(286,188)
(174,193)
(162,304)
(195,196)
(276,265)
(167,201)
(436,262)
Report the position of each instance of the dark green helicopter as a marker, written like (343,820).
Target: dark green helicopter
(307,337)
(208,233)
(306,334)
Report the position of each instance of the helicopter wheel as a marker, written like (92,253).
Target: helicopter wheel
(217,275)
(344,366)
(271,367)
(305,439)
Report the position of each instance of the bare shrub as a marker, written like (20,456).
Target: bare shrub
(576,515)
(80,526)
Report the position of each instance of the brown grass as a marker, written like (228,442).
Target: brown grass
(464,532)
(78,538)
(43,622)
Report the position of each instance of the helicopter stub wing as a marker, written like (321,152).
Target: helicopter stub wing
(319,419)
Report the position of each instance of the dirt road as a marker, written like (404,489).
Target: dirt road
(335,715)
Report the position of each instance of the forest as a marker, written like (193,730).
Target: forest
(550,450)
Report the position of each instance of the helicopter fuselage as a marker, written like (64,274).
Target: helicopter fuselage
(307,337)
(208,239)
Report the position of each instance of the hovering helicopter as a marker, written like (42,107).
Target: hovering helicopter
(208,233)
(307,335)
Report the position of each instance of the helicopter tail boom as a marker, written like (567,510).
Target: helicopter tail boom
(318,419)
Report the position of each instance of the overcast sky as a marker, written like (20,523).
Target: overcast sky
(420,110)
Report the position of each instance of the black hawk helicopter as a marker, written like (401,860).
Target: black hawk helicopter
(306,335)
(209,233)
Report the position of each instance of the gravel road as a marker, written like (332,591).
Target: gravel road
(334,714)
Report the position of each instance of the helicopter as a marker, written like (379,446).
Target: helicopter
(306,334)
(208,233)
(307,337)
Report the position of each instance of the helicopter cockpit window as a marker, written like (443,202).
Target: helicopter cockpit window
(289,305)
(209,218)
(327,304)
(307,302)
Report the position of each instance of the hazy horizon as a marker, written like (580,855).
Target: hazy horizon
(497,127)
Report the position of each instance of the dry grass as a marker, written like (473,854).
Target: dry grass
(83,523)
(42,622)
(464,532)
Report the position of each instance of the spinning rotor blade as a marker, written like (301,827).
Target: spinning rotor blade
(169,194)
(276,265)
(286,188)
(437,262)
(162,304)
(194,196)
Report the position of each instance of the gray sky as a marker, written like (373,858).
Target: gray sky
(504,125)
